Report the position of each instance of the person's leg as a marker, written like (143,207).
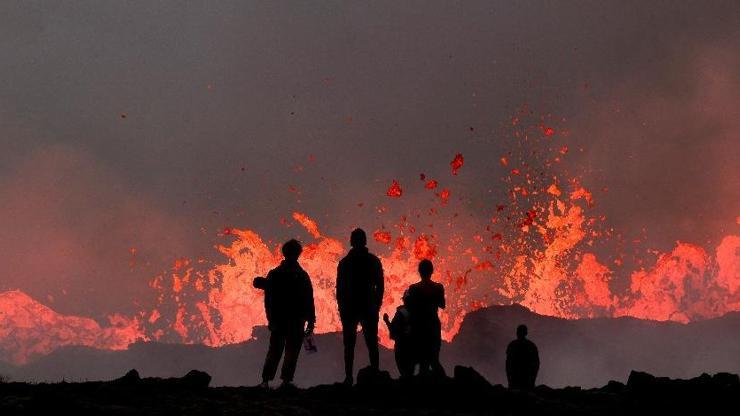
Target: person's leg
(293,341)
(274,351)
(404,359)
(437,368)
(425,353)
(370,332)
(349,336)
(398,355)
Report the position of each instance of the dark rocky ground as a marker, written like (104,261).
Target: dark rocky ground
(585,352)
(466,393)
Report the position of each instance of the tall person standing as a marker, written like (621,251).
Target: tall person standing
(359,297)
(290,313)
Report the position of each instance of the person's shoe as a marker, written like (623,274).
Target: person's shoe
(264,385)
(348,381)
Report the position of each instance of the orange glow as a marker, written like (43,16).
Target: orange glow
(28,328)
(533,245)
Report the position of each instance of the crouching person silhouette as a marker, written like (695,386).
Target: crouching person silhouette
(522,361)
(289,307)
(400,330)
(425,299)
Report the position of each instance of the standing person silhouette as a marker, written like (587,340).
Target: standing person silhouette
(522,361)
(359,296)
(289,306)
(425,299)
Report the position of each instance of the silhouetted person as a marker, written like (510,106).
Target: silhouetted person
(400,330)
(359,296)
(289,306)
(522,361)
(425,299)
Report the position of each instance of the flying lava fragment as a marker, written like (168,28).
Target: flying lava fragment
(395,190)
(457,163)
(383,237)
(444,195)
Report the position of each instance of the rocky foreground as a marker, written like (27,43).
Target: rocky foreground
(465,393)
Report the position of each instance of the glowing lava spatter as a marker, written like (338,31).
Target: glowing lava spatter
(29,328)
(536,250)
(457,163)
(394,191)
(535,246)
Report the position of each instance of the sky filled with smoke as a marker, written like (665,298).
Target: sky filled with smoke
(152,126)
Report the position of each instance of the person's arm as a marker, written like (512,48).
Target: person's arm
(268,298)
(379,283)
(341,288)
(508,364)
(310,306)
(389,324)
(536,364)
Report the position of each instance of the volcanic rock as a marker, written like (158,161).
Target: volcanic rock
(369,377)
(130,378)
(468,378)
(196,380)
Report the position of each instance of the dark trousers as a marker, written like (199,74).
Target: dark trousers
(404,355)
(290,340)
(349,333)
(428,344)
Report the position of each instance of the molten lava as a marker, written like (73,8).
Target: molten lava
(535,247)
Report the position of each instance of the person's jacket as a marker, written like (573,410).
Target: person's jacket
(289,296)
(425,299)
(360,283)
(522,363)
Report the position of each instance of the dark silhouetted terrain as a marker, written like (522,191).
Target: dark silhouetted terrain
(467,393)
(586,353)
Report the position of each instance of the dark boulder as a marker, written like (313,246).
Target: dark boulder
(726,379)
(370,377)
(196,380)
(639,380)
(130,378)
(613,387)
(468,378)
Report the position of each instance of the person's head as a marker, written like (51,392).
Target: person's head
(358,238)
(292,250)
(521,331)
(426,268)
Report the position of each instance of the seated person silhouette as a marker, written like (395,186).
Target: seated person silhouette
(400,330)
(289,306)
(425,299)
(522,361)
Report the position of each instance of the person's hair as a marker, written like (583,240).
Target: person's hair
(292,249)
(521,331)
(426,268)
(358,238)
